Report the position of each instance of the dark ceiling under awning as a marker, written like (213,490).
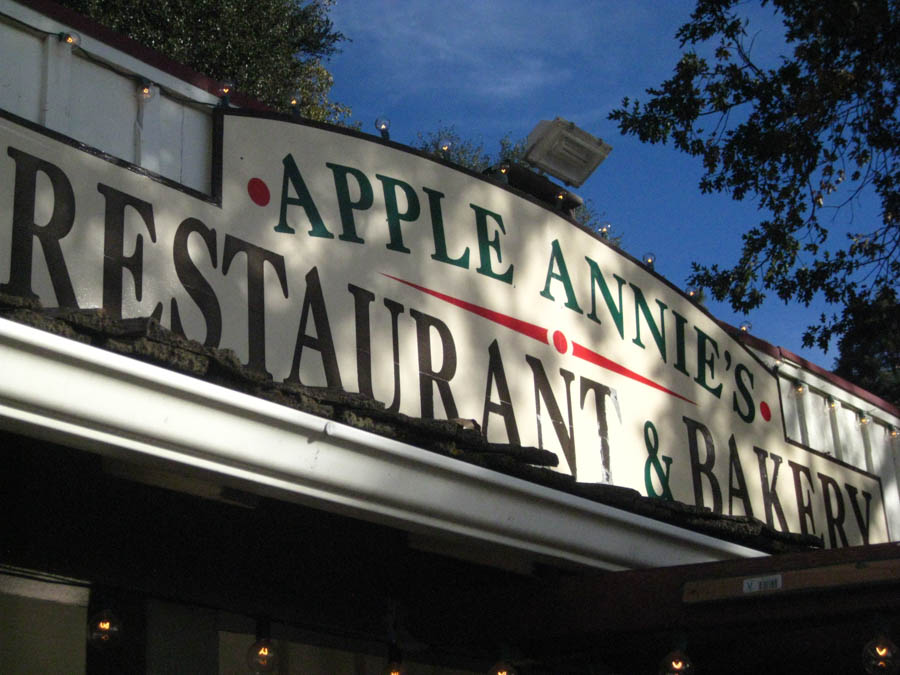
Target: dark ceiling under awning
(335,577)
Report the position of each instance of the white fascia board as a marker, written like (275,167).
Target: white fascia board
(79,395)
(27,584)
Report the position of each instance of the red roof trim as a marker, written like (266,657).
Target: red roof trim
(782,353)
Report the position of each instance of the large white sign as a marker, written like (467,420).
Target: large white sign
(337,260)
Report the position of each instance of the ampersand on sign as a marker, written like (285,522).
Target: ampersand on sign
(651,440)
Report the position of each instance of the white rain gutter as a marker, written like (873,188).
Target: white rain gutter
(71,393)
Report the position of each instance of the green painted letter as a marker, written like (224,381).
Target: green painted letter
(345,203)
(303,198)
(563,276)
(614,311)
(437,227)
(485,245)
(658,331)
(393,212)
(707,360)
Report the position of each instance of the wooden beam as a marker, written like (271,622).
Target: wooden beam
(793,581)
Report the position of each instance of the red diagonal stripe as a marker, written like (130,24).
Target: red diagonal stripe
(529,329)
(541,335)
(582,352)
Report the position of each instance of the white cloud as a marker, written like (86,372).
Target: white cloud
(509,49)
(465,58)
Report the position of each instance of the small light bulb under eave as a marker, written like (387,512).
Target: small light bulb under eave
(864,419)
(262,657)
(675,663)
(70,38)
(104,629)
(880,656)
(649,259)
(502,668)
(395,661)
(145,90)
(895,433)
(799,389)
(745,326)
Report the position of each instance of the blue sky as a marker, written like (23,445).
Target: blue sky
(496,68)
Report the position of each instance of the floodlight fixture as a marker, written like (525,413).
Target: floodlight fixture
(565,151)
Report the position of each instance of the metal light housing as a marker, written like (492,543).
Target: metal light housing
(565,151)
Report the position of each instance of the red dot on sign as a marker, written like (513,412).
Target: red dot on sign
(258,191)
(560,342)
(766,412)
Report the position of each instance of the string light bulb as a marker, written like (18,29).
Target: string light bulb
(864,419)
(226,89)
(500,172)
(502,667)
(895,432)
(880,656)
(676,663)
(444,146)
(383,124)
(649,259)
(295,102)
(145,89)
(262,657)
(799,389)
(604,229)
(395,661)
(104,629)
(69,38)
(745,326)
